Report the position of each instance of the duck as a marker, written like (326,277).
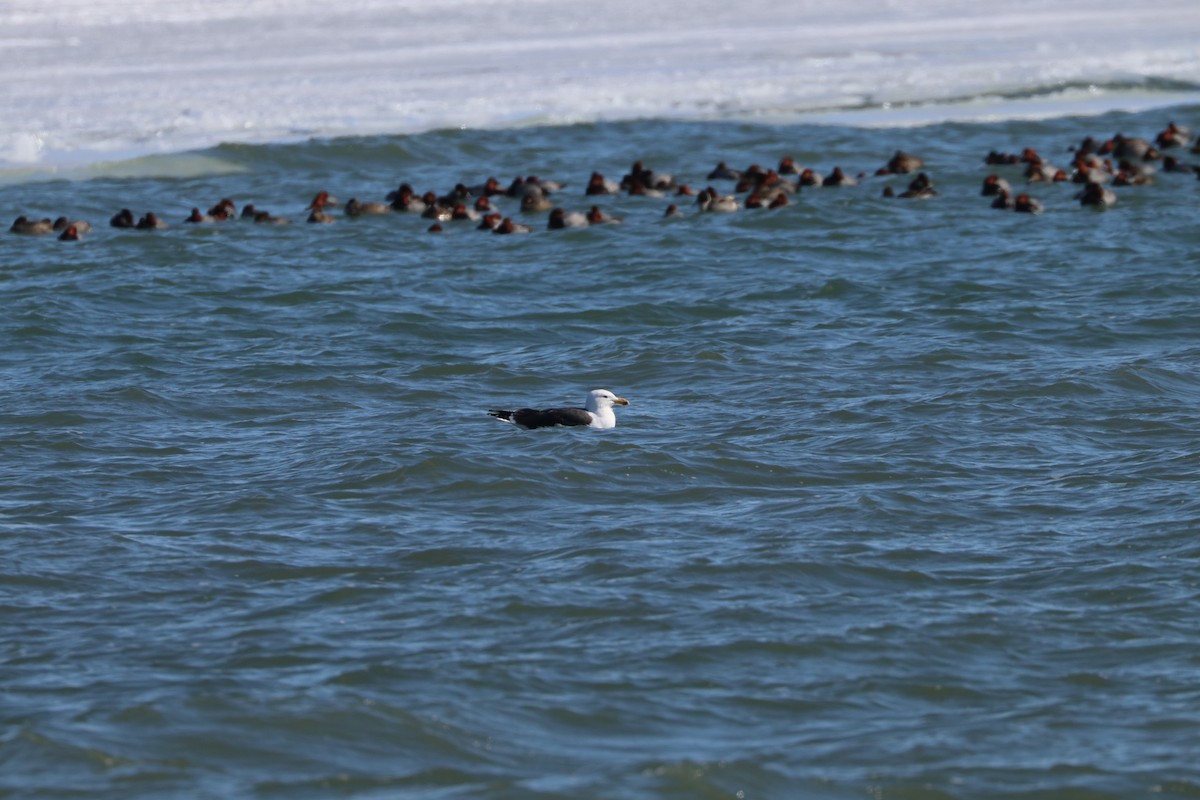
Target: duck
(508,226)
(709,200)
(460,213)
(196,218)
(322,199)
(80,225)
(1093,194)
(920,187)
(994,185)
(598,184)
(151,222)
(901,163)
(223,210)
(319,217)
(723,172)
(560,219)
(810,178)
(787,166)
(71,233)
(1026,205)
(27,227)
(357,208)
(489,222)
(406,200)
(672,210)
(595,216)
(1004,200)
(123,219)
(534,202)
(838,178)
(266,218)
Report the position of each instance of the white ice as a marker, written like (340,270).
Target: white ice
(90,80)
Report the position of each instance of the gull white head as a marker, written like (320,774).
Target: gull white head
(600,403)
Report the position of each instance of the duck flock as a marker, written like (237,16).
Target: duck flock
(1096,165)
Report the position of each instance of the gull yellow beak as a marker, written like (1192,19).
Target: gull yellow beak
(620,401)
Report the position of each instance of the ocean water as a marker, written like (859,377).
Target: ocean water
(903,505)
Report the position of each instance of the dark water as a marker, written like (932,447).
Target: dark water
(904,505)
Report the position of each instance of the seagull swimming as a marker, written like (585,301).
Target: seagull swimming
(597,412)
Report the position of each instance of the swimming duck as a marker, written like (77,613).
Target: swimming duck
(151,222)
(723,172)
(1026,205)
(901,163)
(460,213)
(489,222)
(709,200)
(319,217)
(838,178)
(595,216)
(598,184)
(266,218)
(71,233)
(81,226)
(560,219)
(357,208)
(787,166)
(993,185)
(223,210)
(1094,194)
(197,218)
(123,219)
(322,199)
(1004,200)
(508,226)
(534,202)
(920,188)
(27,227)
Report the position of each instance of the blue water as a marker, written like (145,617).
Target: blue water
(903,505)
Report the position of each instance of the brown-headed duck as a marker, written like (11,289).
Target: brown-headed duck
(71,233)
(223,210)
(197,218)
(1004,200)
(27,227)
(123,219)
(1025,204)
(838,178)
(560,219)
(408,202)
(319,217)
(434,209)
(598,184)
(595,216)
(151,222)
(993,185)
(508,226)
(1094,194)
(672,211)
(321,200)
(460,213)
(489,222)
(787,166)
(810,178)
